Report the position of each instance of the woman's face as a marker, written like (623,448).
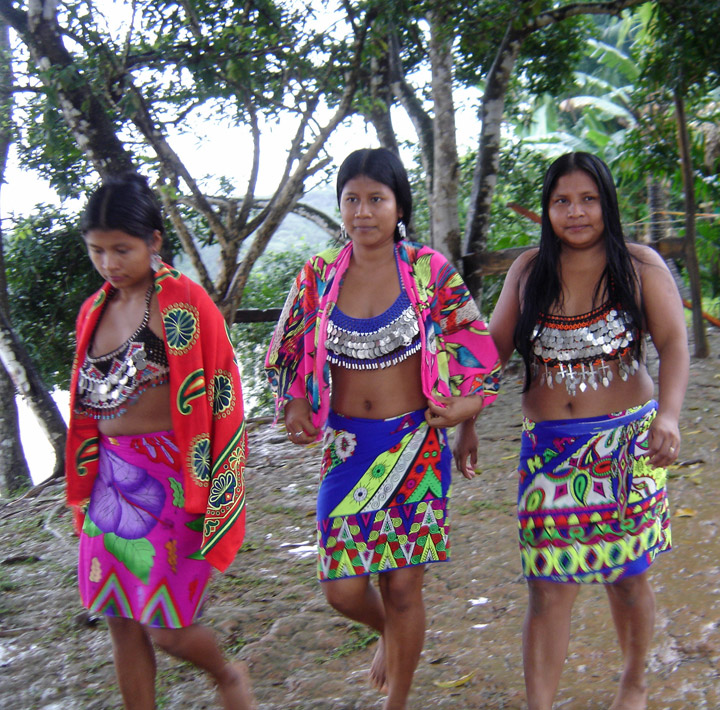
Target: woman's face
(575,211)
(369,211)
(120,258)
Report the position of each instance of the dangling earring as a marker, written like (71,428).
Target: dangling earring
(401,229)
(155,261)
(343,232)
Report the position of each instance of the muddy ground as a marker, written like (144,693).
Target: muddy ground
(269,611)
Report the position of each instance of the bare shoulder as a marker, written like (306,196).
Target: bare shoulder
(645,257)
(657,285)
(526,257)
(518,269)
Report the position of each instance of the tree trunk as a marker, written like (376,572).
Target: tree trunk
(702,348)
(86,114)
(419,117)
(488,161)
(378,113)
(445,223)
(14,473)
(657,205)
(27,382)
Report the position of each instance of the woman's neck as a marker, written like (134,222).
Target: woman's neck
(133,293)
(370,257)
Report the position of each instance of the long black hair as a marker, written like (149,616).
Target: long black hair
(381,165)
(618,282)
(125,203)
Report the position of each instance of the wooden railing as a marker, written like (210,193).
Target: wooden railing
(491,263)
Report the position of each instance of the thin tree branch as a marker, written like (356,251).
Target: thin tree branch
(186,239)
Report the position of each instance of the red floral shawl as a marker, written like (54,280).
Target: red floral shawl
(207,412)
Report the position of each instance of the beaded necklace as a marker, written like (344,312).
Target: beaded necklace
(575,350)
(374,343)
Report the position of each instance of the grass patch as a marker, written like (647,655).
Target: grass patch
(360,637)
(7,585)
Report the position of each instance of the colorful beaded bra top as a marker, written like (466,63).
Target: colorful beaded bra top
(373,343)
(575,350)
(107,383)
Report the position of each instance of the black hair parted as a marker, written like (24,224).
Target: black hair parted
(126,203)
(618,282)
(384,166)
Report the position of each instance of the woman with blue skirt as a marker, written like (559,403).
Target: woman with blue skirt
(379,349)
(592,505)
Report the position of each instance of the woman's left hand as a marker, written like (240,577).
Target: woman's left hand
(663,441)
(453,410)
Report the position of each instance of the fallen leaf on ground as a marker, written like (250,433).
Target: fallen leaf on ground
(684,513)
(454,683)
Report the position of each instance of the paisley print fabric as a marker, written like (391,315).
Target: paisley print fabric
(383,497)
(458,354)
(139,548)
(207,415)
(590,507)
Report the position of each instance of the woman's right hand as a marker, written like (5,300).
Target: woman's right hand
(298,421)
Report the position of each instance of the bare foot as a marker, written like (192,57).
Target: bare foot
(378,672)
(235,690)
(630,697)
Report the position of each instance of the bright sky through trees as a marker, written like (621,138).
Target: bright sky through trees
(212,149)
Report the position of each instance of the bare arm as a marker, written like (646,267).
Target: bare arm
(507,310)
(666,324)
(502,329)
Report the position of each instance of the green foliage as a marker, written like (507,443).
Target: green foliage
(612,111)
(708,252)
(520,183)
(267,287)
(48,147)
(49,276)
(522,171)
(681,50)
(549,57)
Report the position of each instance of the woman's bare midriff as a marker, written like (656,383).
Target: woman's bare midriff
(541,403)
(150,413)
(378,394)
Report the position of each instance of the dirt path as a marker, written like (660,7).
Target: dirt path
(270,611)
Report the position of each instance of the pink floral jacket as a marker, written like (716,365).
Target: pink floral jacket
(458,354)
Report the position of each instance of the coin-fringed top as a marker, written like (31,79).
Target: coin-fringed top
(108,383)
(575,350)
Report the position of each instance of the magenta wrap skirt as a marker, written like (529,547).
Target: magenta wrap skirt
(139,549)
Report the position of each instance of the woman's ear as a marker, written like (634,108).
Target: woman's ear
(157,241)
